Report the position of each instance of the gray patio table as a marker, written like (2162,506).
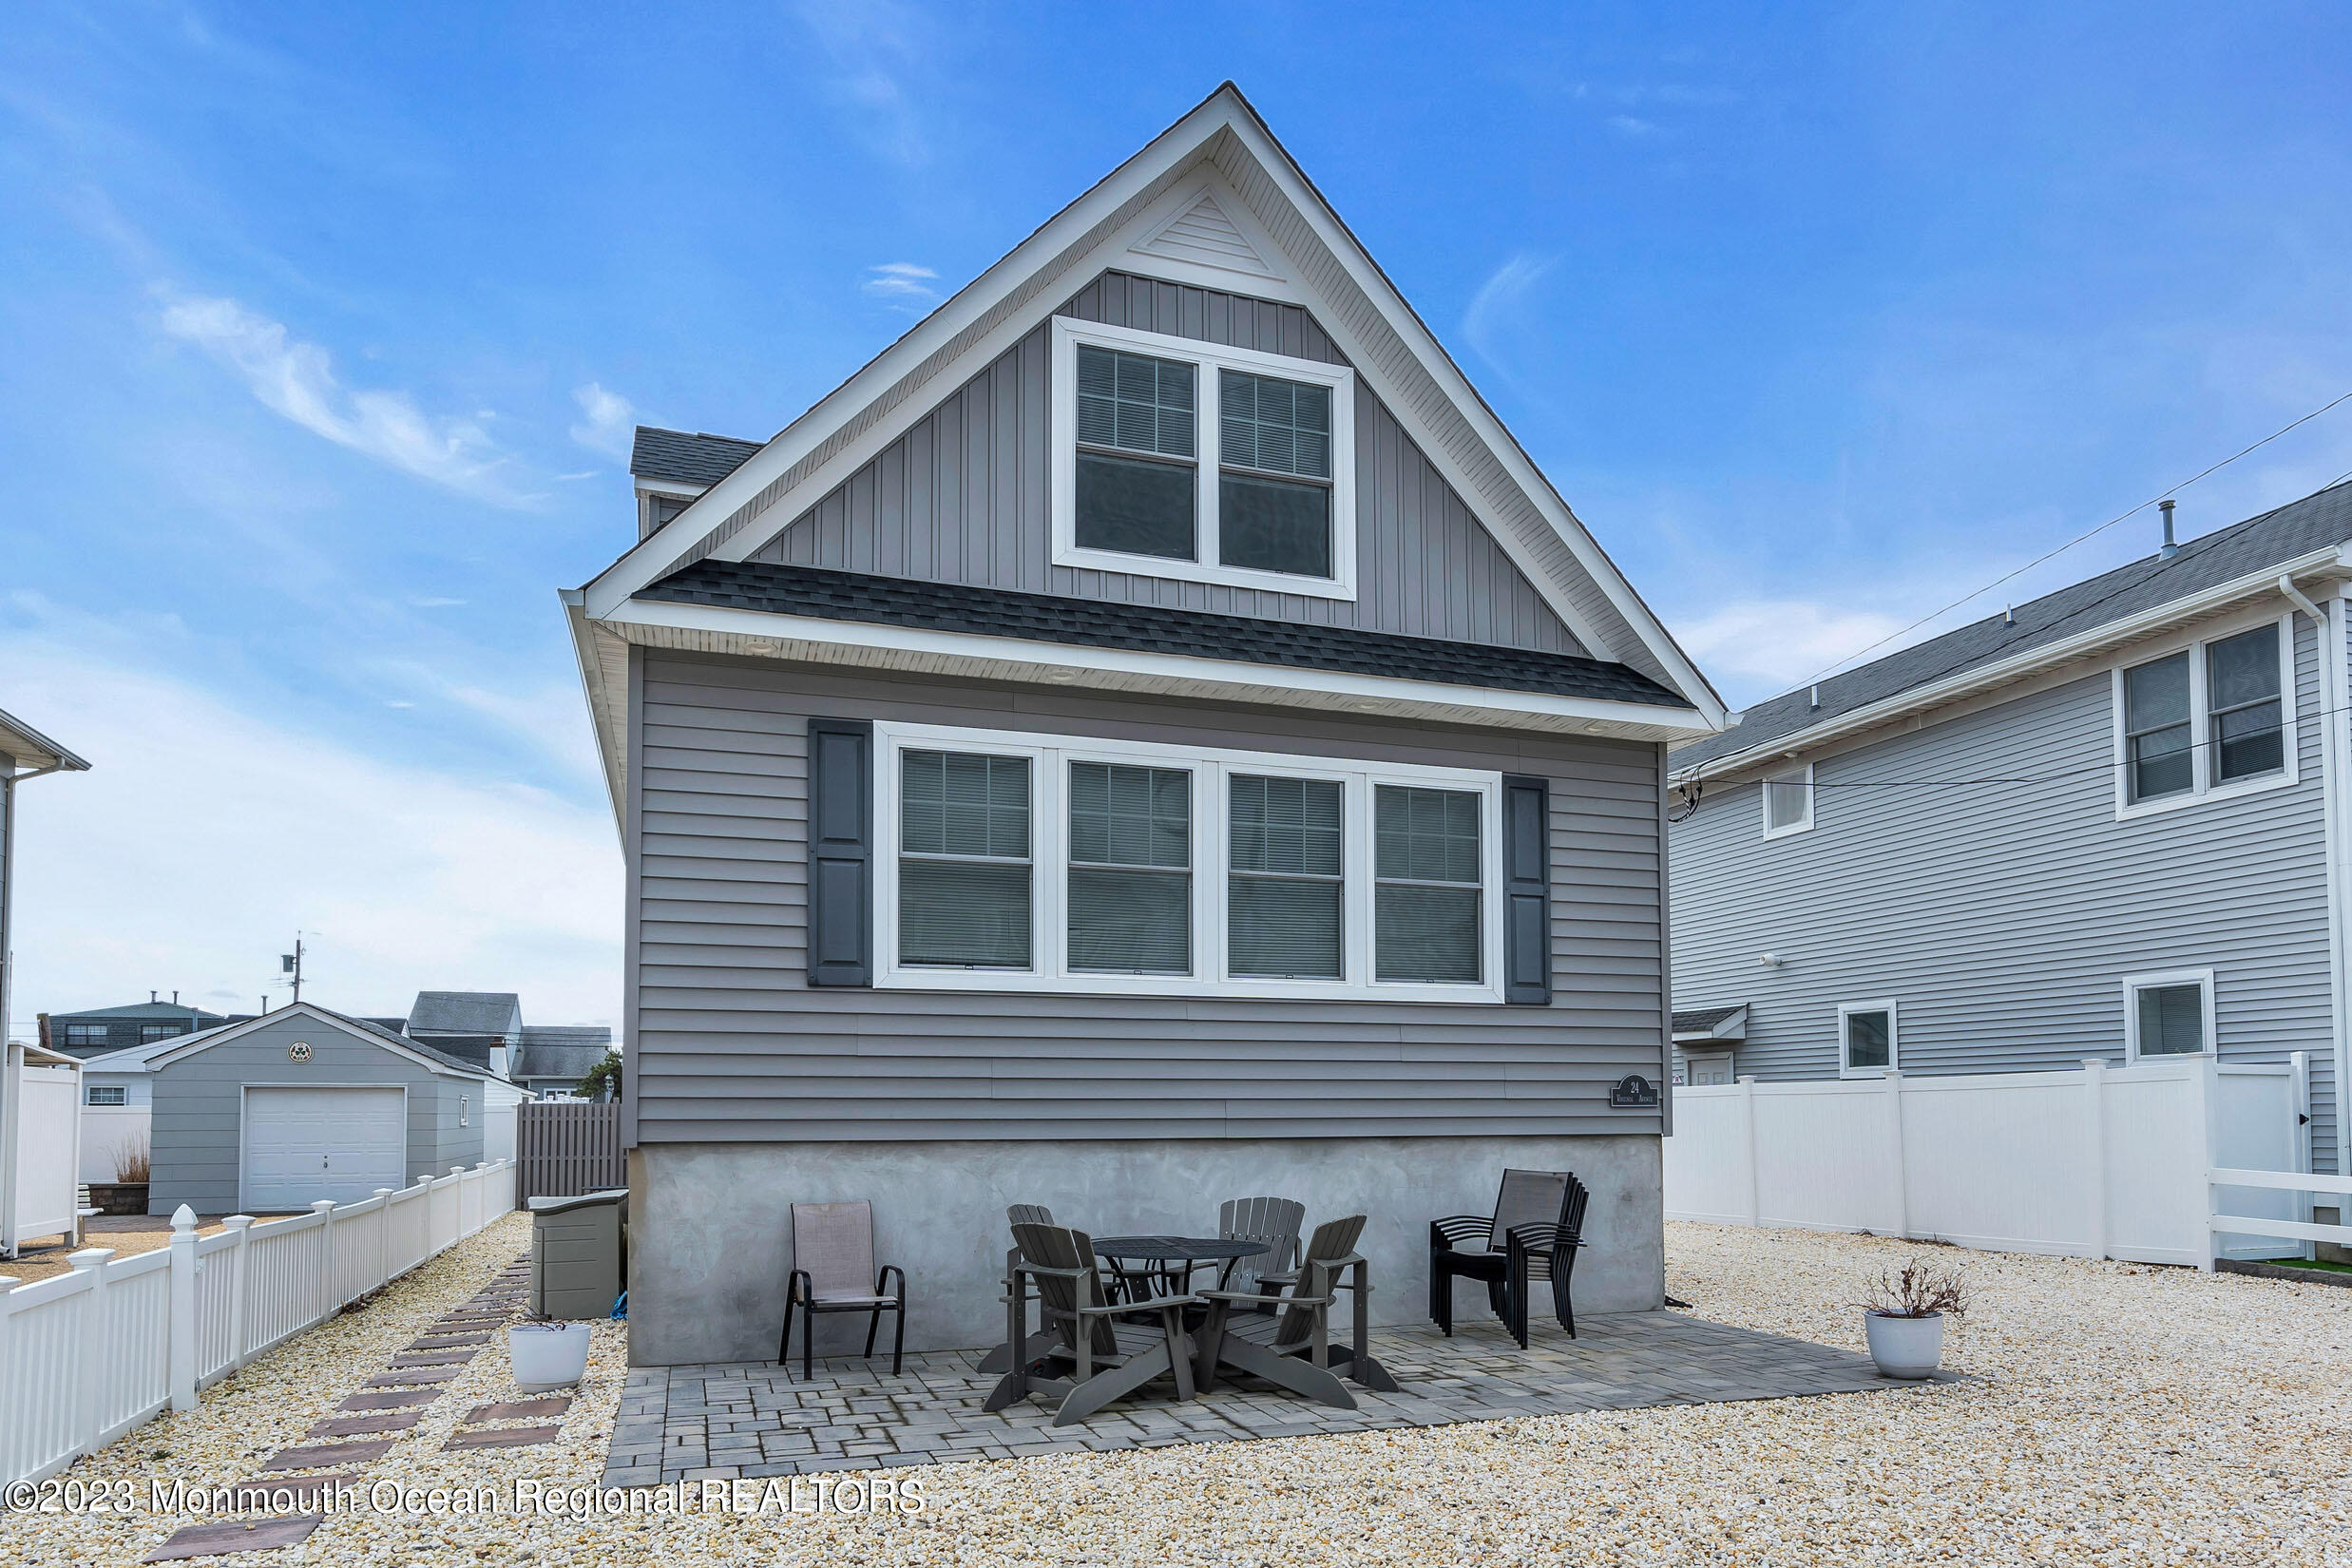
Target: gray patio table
(1162,1254)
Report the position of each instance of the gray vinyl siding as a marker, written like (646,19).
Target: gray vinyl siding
(731,1043)
(197,1100)
(962,496)
(2002,917)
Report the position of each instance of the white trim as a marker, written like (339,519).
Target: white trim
(2133,984)
(1279,683)
(1048,853)
(1764,803)
(2202,789)
(120,1090)
(1894,1039)
(668,487)
(1208,358)
(1259,270)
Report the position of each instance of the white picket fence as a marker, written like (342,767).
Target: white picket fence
(90,1356)
(2103,1161)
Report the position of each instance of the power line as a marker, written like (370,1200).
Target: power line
(2080,538)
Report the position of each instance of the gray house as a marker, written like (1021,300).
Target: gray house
(95,1031)
(1148,737)
(270,1115)
(487,1027)
(2110,823)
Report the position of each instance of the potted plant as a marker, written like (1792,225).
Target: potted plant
(1903,1318)
(548,1355)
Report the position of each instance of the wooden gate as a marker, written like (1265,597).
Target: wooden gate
(566,1147)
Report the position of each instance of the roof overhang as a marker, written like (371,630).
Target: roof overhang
(41,1056)
(1730,1029)
(34,751)
(2332,564)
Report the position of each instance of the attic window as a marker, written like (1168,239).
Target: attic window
(1199,461)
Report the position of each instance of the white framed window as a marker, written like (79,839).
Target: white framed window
(1183,459)
(1019,862)
(106,1094)
(2168,1014)
(2208,720)
(1788,801)
(1866,1042)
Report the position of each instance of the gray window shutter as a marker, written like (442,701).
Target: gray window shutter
(1526,892)
(841,833)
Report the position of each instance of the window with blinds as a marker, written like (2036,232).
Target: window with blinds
(1285,883)
(2156,728)
(1136,440)
(964,860)
(1427,900)
(2243,704)
(1274,473)
(1130,858)
(2216,717)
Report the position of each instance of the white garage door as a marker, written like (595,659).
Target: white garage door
(305,1144)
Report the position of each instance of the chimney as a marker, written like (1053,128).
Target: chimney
(2169,549)
(150,997)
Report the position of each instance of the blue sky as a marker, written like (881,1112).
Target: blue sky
(322,330)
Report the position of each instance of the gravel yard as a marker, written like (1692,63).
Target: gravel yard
(2115,1414)
(126,1235)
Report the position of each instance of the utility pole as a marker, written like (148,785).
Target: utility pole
(292,963)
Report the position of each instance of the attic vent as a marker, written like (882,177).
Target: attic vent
(1204,235)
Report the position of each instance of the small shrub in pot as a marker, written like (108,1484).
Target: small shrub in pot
(1902,1317)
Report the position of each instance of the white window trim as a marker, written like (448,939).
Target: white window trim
(1210,358)
(1764,805)
(2200,722)
(1894,1039)
(2134,984)
(1050,756)
(90,1096)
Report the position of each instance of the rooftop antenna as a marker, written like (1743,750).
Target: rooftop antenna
(2170,548)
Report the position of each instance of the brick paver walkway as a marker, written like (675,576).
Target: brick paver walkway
(685,1423)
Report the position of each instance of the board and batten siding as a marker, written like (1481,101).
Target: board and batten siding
(2001,918)
(731,1043)
(194,1137)
(962,496)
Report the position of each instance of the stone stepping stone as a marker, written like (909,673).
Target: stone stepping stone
(383,1420)
(505,1437)
(521,1409)
(448,1342)
(394,1401)
(212,1540)
(410,1379)
(434,1358)
(319,1455)
(297,1491)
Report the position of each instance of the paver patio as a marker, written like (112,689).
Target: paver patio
(754,1419)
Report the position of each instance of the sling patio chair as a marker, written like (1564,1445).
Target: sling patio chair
(1537,1222)
(1292,1348)
(1111,1348)
(834,1271)
(1019,1344)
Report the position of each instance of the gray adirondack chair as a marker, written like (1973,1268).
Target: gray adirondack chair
(834,1271)
(1537,1222)
(1111,1348)
(1292,1348)
(1273,1220)
(1015,1299)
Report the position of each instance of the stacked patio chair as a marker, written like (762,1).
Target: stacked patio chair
(1273,1220)
(834,1271)
(1538,1223)
(1111,1348)
(1292,1348)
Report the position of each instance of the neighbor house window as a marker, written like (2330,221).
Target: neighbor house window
(1177,457)
(86,1034)
(1867,1038)
(149,1033)
(1788,801)
(2212,717)
(2168,1014)
(1046,863)
(106,1094)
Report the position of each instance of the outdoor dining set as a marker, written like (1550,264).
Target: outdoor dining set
(1114,1312)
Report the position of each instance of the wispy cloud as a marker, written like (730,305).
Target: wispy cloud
(1633,126)
(607,421)
(903,284)
(1765,646)
(872,46)
(1497,315)
(297,380)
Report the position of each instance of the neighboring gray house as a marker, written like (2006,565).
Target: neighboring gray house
(1148,737)
(546,1059)
(301,1103)
(555,1057)
(95,1031)
(2110,822)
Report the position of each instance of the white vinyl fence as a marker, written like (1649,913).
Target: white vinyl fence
(90,1356)
(2101,1162)
(41,1140)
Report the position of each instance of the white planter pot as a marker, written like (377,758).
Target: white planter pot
(1904,1347)
(548,1355)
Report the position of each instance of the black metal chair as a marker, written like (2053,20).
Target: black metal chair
(832,1259)
(1539,1221)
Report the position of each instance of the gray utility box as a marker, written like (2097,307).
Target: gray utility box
(578,1253)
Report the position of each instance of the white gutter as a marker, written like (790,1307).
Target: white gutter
(2332,560)
(2335,756)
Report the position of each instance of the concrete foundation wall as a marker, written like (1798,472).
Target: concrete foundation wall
(710,1224)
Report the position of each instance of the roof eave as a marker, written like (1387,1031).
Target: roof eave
(35,751)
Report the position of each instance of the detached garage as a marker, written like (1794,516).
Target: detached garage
(270,1115)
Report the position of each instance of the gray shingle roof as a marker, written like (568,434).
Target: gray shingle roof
(1695,1019)
(558,1050)
(465,1012)
(2295,529)
(687,459)
(1149,628)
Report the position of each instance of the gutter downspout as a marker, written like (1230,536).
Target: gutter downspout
(2334,755)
